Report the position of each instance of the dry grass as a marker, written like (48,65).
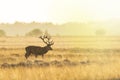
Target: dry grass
(73,58)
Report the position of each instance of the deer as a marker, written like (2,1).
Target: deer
(38,50)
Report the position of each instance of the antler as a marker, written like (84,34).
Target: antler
(47,40)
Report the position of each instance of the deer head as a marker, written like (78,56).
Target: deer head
(47,40)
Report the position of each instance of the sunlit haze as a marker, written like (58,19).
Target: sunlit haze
(62,11)
(58,10)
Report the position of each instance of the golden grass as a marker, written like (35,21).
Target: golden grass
(81,72)
(94,63)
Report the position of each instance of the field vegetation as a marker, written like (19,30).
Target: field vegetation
(72,58)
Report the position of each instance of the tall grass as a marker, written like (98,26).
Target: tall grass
(94,61)
(82,72)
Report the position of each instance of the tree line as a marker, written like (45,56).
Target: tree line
(32,33)
(38,32)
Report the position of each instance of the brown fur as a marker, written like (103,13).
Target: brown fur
(37,50)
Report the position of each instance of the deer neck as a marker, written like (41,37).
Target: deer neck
(46,49)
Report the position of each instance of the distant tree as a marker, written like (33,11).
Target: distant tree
(2,33)
(34,32)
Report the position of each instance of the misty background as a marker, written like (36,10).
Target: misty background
(106,28)
(60,17)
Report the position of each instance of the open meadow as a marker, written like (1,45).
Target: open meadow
(72,58)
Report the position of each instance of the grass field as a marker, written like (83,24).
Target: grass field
(72,58)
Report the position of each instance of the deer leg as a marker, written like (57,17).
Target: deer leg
(42,56)
(27,55)
(36,55)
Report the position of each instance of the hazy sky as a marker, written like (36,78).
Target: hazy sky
(59,11)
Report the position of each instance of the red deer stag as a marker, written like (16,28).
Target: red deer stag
(38,50)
